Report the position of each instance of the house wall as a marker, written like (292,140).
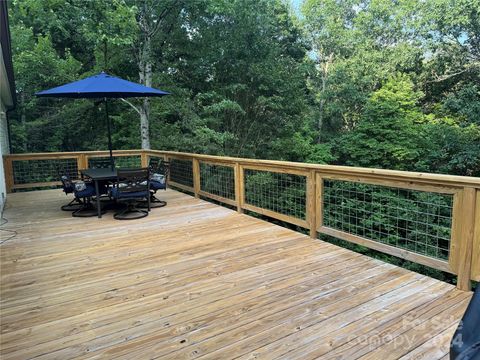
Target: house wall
(5,101)
(7,93)
(4,149)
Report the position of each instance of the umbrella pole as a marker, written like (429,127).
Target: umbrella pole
(109,135)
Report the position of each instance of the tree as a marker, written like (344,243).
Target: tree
(155,21)
(50,69)
(357,46)
(253,88)
(249,78)
(389,132)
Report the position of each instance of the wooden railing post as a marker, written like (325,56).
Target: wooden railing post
(462,236)
(168,160)
(239,187)
(318,201)
(144,159)
(476,240)
(196,177)
(82,162)
(8,170)
(311,203)
(86,160)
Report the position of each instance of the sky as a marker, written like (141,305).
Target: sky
(296,5)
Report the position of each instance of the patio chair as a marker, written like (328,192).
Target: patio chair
(68,188)
(83,192)
(131,187)
(159,171)
(99,163)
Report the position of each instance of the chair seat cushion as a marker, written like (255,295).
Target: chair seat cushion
(157,185)
(129,195)
(88,192)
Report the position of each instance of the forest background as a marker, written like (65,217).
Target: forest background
(379,83)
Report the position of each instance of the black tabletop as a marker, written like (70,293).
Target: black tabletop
(100,174)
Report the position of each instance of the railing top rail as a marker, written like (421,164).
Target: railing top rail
(439,179)
(452,181)
(68,153)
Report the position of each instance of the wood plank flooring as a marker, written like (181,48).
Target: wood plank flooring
(196,280)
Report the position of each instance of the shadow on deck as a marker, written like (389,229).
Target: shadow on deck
(194,279)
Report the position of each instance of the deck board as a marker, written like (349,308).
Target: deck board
(196,280)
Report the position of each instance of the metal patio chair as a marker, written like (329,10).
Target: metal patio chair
(102,163)
(83,193)
(99,163)
(132,186)
(68,188)
(159,171)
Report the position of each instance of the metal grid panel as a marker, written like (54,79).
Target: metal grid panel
(417,221)
(181,171)
(133,161)
(34,171)
(218,180)
(282,193)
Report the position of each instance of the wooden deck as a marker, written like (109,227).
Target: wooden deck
(196,280)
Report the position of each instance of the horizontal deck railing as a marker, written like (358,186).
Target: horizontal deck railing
(429,219)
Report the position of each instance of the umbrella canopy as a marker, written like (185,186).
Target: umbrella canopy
(102,86)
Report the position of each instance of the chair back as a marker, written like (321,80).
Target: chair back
(164,168)
(159,167)
(133,180)
(153,165)
(99,163)
(67,184)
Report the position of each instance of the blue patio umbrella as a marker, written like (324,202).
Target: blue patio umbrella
(102,86)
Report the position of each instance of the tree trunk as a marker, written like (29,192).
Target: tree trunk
(324,66)
(145,75)
(144,124)
(151,19)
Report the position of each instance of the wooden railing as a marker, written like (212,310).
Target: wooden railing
(429,219)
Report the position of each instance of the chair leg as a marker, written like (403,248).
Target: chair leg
(154,202)
(88,210)
(75,204)
(131,212)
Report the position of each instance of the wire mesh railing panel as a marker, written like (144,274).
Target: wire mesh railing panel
(133,161)
(38,171)
(181,171)
(128,161)
(278,192)
(217,180)
(417,221)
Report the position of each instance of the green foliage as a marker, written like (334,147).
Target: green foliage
(340,84)
(465,103)
(451,149)
(388,132)
(413,220)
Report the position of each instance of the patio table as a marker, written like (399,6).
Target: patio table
(98,175)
